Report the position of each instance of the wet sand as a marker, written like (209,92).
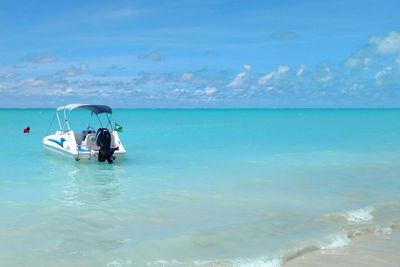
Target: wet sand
(374,249)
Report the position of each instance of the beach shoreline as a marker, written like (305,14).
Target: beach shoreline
(372,249)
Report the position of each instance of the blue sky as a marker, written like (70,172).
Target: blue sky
(200,53)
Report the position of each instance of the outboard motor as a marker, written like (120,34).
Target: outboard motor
(103,140)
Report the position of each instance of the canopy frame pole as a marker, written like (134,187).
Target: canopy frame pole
(66,120)
(101,124)
(59,122)
(90,119)
(109,121)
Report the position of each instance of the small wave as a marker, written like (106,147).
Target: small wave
(360,216)
(299,252)
(119,263)
(238,262)
(356,216)
(258,262)
(384,230)
(333,242)
(337,242)
(342,240)
(165,263)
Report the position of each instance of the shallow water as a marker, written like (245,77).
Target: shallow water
(199,187)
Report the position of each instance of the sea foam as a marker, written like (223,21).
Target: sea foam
(257,262)
(119,263)
(360,216)
(238,262)
(339,241)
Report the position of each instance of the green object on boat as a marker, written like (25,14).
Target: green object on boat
(118,128)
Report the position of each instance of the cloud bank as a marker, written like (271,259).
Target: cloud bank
(369,77)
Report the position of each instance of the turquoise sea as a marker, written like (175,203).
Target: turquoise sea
(200,188)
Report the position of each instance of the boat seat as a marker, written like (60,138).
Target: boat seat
(79,137)
(91,141)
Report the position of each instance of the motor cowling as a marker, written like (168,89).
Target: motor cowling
(103,140)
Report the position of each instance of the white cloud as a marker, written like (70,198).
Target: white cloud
(180,91)
(210,90)
(389,44)
(240,78)
(34,82)
(187,76)
(84,67)
(43,59)
(282,70)
(8,75)
(247,67)
(198,92)
(326,77)
(63,92)
(301,70)
(380,75)
(352,62)
(152,56)
(264,79)
(356,87)
(358,61)
(75,70)
(367,62)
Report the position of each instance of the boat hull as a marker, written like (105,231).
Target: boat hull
(64,143)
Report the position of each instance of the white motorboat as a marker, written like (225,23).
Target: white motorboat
(102,144)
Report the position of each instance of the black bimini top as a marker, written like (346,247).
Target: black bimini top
(97,109)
